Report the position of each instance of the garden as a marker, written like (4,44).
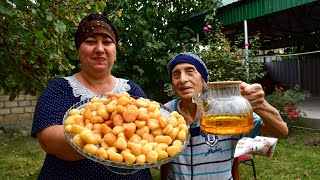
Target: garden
(296,157)
(36,41)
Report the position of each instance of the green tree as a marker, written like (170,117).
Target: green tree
(221,55)
(37,44)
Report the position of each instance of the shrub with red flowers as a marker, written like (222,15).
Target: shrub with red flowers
(287,101)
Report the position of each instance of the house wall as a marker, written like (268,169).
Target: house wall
(20,109)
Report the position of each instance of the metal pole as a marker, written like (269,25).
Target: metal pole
(246,45)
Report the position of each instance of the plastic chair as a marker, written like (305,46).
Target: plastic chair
(248,160)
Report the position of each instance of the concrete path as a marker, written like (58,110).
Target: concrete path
(311,106)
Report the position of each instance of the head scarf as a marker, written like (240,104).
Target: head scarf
(188,57)
(95,24)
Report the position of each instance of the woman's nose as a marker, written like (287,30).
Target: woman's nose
(99,47)
(184,77)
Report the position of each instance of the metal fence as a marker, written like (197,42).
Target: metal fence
(302,71)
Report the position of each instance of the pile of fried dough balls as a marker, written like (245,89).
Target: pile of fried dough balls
(121,128)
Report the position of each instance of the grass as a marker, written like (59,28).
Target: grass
(295,158)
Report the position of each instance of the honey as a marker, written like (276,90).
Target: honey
(226,124)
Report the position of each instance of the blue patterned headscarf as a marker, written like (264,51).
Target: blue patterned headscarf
(188,57)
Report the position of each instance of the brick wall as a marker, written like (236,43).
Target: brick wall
(20,109)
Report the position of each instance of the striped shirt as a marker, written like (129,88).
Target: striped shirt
(206,156)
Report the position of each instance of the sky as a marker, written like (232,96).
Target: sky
(226,2)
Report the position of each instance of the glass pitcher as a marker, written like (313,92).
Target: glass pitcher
(224,110)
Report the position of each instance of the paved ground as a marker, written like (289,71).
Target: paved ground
(312,109)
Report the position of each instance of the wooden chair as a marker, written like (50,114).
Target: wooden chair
(246,159)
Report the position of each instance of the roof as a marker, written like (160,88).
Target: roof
(234,11)
(283,25)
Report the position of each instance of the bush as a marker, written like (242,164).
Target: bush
(287,101)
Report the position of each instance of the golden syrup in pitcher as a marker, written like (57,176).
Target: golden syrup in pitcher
(226,124)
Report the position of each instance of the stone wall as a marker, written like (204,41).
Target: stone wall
(20,109)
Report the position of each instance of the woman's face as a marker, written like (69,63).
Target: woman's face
(97,53)
(186,80)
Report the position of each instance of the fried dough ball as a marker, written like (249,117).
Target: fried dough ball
(116,157)
(117,130)
(104,144)
(103,113)
(142,102)
(148,137)
(117,120)
(78,119)
(174,133)
(87,114)
(143,142)
(69,121)
(184,127)
(163,139)
(129,129)
(157,132)
(90,148)
(152,156)
(68,128)
(111,150)
(105,128)
(122,136)
(177,143)
(120,143)
(96,127)
(123,101)
(78,141)
(140,124)
(153,106)
(141,159)
(175,114)
(98,133)
(173,121)
(102,153)
(153,124)
(89,126)
(129,158)
(74,112)
(162,121)
(130,114)
(120,109)
(87,136)
(181,120)
(111,106)
(162,154)
(144,110)
(109,123)
(143,116)
(135,148)
(168,129)
(96,119)
(173,150)
(182,135)
(142,131)
(135,138)
(146,148)
(110,138)
(162,146)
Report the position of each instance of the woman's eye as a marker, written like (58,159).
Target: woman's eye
(107,42)
(90,41)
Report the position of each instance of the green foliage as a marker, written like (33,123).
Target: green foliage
(286,101)
(36,40)
(223,59)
